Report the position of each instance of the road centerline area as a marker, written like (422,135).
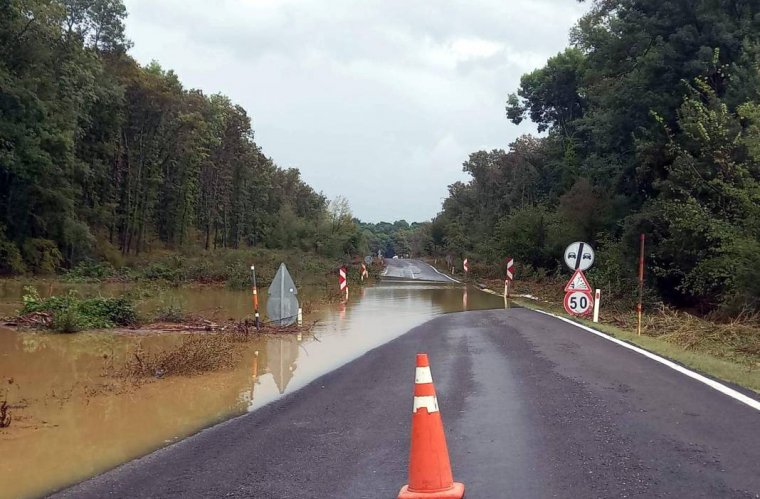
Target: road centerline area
(415,270)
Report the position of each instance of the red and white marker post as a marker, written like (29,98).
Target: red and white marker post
(343,283)
(466,266)
(510,276)
(364,274)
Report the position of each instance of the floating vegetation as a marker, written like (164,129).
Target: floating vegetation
(196,354)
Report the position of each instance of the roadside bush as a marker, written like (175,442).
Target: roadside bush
(71,313)
(108,252)
(68,320)
(42,255)
(90,271)
(239,279)
(171,311)
(10,257)
(161,271)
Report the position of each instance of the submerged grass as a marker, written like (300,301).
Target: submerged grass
(195,354)
(219,348)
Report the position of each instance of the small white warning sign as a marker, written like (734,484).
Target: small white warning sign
(577,283)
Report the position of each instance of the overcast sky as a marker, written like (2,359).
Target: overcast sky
(379,100)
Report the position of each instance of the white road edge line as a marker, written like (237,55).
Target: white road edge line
(441,273)
(688,372)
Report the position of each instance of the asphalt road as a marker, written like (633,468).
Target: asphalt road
(533,407)
(413,270)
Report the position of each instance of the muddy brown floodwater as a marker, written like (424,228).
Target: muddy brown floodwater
(71,420)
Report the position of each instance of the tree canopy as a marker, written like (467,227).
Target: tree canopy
(99,153)
(651,125)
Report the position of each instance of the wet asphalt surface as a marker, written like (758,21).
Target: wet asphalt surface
(532,406)
(413,270)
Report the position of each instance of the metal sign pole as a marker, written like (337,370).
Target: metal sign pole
(641,283)
(282,301)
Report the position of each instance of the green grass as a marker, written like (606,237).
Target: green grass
(71,314)
(231,267)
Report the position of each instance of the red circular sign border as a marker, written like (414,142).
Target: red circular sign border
(566,305)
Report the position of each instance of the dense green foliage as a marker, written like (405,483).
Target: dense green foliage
(100,157)
(397,238)
(71,313)
(653,126)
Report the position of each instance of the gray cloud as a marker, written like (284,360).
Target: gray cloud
(380,101)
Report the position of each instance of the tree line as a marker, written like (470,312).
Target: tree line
(651,124)
(100,156)
(398,238)
(649,121)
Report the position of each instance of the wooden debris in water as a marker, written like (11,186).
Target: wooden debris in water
(191,324)
(244,327)
(34,320)
(5,416)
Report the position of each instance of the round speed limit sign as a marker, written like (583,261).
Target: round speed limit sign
(578,302)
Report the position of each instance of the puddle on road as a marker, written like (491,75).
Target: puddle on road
(71,422)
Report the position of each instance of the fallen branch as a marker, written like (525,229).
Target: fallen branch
(5,415)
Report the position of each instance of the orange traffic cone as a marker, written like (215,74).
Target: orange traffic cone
(429,466)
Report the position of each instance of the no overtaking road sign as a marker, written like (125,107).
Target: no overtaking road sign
(579,256)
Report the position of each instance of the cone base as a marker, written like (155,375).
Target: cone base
(455,492)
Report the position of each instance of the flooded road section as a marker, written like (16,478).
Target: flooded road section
(71,420)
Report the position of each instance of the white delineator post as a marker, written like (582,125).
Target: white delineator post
(256,319)
(597,295)
(300,316)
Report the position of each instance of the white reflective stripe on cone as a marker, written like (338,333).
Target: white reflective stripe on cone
(429,402)
(422,375)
